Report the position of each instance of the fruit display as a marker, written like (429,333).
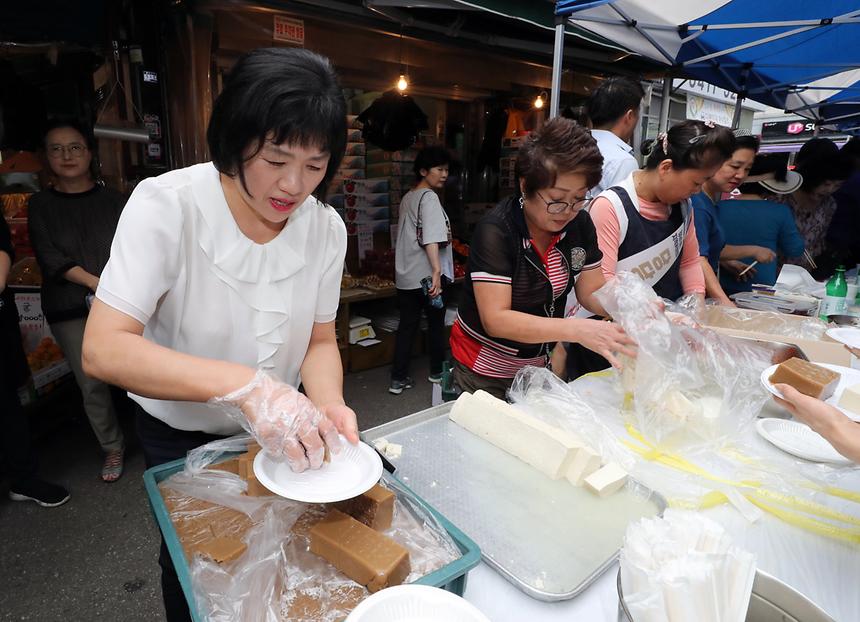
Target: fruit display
(46,353)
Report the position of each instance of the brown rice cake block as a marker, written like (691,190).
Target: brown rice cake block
(317,604)
(246,465)
(374,508)
(254,448)
(364,555)
(256,489)
(808,378)
(222,549)
(230,466)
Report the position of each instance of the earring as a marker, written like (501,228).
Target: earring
(521,203)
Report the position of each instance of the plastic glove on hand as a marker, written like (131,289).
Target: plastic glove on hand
(284,421)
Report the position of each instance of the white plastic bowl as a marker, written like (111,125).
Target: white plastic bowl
(415,603)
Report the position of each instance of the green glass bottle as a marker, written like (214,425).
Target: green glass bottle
(834,295)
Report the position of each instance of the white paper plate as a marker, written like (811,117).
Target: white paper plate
(849,377)
(848,335)
(351,472)
(415,603)
(799,440)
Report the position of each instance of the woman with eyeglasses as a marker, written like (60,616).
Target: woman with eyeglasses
(645,224)
(526,256)
(71,225)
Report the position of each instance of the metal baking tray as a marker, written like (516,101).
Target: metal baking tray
(548,538)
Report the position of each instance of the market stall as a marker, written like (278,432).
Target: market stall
(546,488)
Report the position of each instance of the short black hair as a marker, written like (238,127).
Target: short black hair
(766,163)
(816,149)
(691,144)
(429,157)
(819,169)
(283,95)
(612,99)
(82,128)
(747,142)
(852,147)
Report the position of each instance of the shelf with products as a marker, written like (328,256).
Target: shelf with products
(380,307)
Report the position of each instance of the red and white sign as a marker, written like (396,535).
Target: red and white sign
(289,30)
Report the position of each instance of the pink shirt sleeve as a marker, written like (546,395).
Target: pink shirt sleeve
(691,275)
(608,233)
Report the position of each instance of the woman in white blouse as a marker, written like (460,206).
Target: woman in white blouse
(224,279)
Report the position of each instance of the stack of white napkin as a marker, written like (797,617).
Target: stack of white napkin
(684,567)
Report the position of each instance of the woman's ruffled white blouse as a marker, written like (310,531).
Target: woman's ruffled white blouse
(180,266)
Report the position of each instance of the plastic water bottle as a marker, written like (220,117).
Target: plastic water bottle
(435,301)
(857,281)
(834,295)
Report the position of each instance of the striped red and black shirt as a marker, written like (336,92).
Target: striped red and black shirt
(502,252)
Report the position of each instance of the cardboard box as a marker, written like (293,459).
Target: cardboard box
(390,169)
(824,350)
(348,173)
(366,186)
(336,200)
(354,149)
(368,214)
(378,156)
(354,161)
(380,199)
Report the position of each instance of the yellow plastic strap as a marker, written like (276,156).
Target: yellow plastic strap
(756,494)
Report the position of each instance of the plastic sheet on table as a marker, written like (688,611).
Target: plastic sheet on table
(770,322)
(277,577)
(689,385)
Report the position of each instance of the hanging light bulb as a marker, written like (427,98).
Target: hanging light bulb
(402,84)
(539,100)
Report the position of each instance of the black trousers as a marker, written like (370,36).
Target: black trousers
(411,302)
(161,444)
(16,445)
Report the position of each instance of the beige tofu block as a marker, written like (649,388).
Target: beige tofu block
(545,447)
(585,462)
(850,399)
(606,480)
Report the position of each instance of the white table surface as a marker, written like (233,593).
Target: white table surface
(823,569)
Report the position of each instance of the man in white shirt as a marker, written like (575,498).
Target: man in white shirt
(613,109)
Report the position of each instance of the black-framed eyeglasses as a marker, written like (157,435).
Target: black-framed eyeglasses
(559,207)
(75,150)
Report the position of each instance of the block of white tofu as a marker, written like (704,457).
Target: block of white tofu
(607,480)
(545,447)
(393,451)
(677,405)
(850,399)
(584,463)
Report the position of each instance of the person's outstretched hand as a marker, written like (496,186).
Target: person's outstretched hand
(827,420)
(344,419)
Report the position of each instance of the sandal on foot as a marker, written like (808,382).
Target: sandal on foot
(112,469)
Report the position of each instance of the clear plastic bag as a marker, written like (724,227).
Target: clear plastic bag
(688,384)
(277,577)
(770,322)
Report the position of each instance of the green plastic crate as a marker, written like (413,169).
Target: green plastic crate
(451,577)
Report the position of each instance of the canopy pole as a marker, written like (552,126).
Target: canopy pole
(736,118)
(664,103)
(557,59)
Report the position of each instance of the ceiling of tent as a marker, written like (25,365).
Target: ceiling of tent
(799,56)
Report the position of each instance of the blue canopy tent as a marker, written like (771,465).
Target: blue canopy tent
(796,55)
